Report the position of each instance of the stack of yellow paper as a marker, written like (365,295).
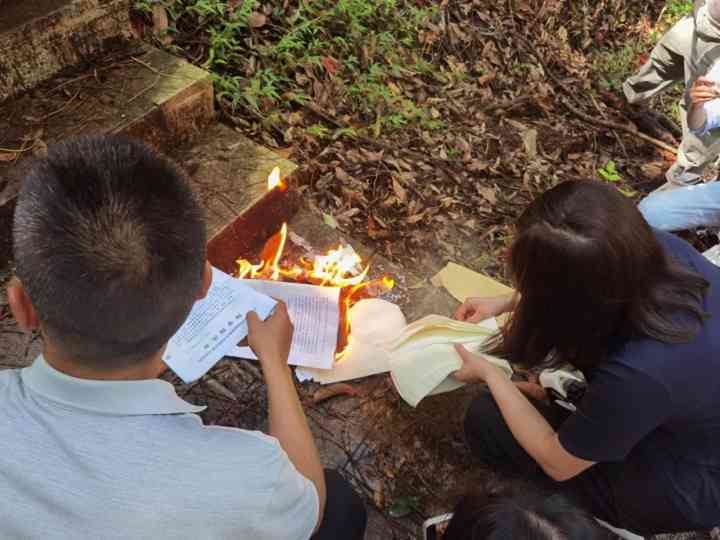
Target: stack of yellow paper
(423,356)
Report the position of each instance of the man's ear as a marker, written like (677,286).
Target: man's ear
(206,281)
(21,306)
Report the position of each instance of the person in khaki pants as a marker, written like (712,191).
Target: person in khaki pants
(688,51)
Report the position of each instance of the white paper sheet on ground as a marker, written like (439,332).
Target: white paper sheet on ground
(214,326)
(463,283)
(374,323)
(421,366)
(315,314)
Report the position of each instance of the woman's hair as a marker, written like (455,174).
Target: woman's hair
(592,275)
(520,511)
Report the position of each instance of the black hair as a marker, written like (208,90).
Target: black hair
(109,243)
(515,510)
(591,276)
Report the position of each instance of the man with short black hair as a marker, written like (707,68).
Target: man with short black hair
(110,252)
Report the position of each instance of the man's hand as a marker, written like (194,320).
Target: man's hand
(270,339)
(475,310)
(703,90)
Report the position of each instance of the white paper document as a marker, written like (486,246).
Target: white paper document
(215,325)
(315,314)
(375,323)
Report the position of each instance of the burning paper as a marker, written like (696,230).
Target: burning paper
(374,324)
(331,283)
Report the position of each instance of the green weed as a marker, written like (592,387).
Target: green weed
(359,47)
(676,9)
(615,66)
(609,173)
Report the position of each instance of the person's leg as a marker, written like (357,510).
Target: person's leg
(666,64)
(345,514)
(633,495)
(628,495)
(694,154)
(492,442)
(683,208)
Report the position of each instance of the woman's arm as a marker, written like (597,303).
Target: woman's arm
(527,425)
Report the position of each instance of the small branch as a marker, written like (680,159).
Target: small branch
(616,126)
(507,105)
(586,117)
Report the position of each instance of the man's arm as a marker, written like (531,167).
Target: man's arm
(270,340)
(703,100)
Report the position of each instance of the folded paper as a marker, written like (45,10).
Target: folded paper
(424,356)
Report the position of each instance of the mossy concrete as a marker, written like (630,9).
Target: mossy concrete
(40,38)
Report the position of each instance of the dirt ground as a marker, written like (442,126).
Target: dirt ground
(527,116)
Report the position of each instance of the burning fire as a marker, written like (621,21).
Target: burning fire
(340,267)
(275,181)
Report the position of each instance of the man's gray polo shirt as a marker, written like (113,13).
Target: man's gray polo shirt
(129,459)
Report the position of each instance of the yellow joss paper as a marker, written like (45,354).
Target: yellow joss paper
(422,360)
(462,283)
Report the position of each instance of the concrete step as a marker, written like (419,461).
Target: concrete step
(139,91)
(229,173)
(39,38)
(168,103)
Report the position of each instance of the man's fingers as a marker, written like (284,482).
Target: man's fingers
(703,94)
(252,317)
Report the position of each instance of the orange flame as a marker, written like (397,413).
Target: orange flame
(340,267)
(274,180)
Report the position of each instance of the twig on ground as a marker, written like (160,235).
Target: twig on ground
(141,92)
(507,105)
(61,109)
(586,117)
(620,127)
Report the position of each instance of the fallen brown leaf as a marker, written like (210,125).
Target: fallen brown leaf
(257,20)
(334,390)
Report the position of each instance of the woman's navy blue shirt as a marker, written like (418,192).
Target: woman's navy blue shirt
(656,408)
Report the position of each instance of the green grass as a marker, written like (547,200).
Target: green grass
(676,9)
(356,49)
(614,66)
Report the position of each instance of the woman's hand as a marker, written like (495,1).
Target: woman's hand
(475,368)
(475,310)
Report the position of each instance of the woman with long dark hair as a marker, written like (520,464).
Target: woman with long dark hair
(638,312)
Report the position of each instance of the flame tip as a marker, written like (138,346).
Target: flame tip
(275,180)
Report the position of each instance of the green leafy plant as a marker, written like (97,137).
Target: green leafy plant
(609,173)
(262,58)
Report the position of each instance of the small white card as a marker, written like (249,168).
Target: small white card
(216,324)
